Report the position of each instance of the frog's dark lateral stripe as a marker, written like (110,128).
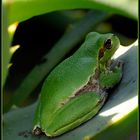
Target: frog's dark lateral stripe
(92,85)
(101,52)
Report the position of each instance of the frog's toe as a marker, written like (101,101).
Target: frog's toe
(37,131)
(120,64)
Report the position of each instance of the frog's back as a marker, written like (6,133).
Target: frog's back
(67,77)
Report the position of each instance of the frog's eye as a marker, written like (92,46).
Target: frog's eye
(107,44)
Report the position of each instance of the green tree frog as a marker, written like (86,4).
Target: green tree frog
(76,89)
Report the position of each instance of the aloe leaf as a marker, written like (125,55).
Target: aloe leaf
(121,104)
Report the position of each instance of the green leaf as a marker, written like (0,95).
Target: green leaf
(116,129)
(120,106)
(68,41)
(6,40)
(5,44)
(22,9)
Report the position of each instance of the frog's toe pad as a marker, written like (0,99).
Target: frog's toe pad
(120,64)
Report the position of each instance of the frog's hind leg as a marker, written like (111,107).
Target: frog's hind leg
(80,109)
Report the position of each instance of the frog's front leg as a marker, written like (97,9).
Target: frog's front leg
(110,78)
